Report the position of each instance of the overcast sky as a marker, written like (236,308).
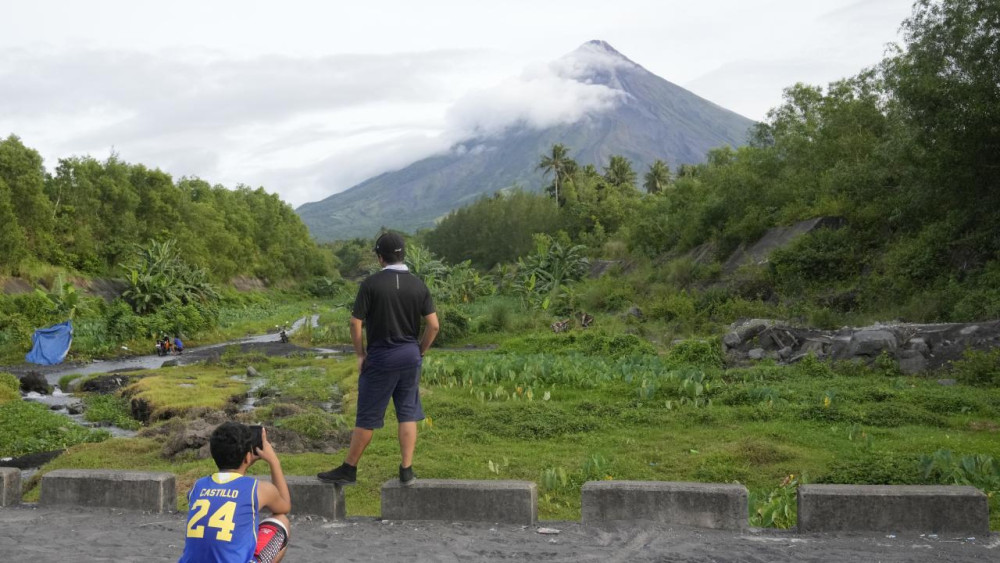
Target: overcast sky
(308,98)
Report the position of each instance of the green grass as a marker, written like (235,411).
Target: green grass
(27,427)
(819,423)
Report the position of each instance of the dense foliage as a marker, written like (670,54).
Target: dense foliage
(905,153)
(89,214)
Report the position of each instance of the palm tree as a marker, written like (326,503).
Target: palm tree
(619,172)
(559,164)
(657,177)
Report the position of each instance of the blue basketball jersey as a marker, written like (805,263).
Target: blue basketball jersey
(222,519)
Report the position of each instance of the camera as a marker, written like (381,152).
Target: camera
(256,438)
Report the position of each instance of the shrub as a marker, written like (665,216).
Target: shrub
(869,467)
(454,325)
(978,368)
(823,256)
(705,353)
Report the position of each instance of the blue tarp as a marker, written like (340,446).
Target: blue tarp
(50,345)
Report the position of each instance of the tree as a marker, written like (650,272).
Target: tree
(619,173)
(559,163)
(11,235)
(947,86)
(657,177)
(22,171)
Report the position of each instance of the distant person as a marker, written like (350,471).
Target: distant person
(389,306)
(178,345)
(166,344)
(222,515)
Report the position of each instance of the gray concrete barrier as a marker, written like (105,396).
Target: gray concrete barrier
(705,505)
(893,508)
(132,490)
(512,502)
(10,486)
(312,496)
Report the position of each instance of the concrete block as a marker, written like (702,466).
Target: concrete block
(893,508)
(705,505)
(132,490)
(10,486)
(511,502)
(312,496)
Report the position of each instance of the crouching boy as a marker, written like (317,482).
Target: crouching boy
(222,517)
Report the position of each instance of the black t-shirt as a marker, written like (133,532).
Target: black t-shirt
(392,302)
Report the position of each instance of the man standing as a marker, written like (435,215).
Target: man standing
(389,306)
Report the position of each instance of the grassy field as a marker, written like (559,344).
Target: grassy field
(565,418)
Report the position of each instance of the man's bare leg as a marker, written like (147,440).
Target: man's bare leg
(407,442)
(360,439)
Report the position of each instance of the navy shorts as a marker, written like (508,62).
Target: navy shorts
(376,386)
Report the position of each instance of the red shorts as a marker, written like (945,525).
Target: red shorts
(272,537)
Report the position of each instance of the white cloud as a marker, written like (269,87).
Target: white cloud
(542,96)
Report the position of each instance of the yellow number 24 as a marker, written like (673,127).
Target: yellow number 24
(221,519)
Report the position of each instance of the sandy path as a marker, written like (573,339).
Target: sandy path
(40,535)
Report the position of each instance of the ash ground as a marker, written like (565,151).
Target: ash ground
(49,534)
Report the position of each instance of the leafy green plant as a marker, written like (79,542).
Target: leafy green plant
(554,478)
(596,468)
(978,470)
(779,509)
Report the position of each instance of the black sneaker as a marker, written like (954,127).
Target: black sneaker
(406,476)
(343,475)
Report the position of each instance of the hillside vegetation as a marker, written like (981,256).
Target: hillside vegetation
(906,152)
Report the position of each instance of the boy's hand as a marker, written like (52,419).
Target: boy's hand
(266,453)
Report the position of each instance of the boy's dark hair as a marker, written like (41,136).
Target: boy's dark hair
(391,247)
(229,444)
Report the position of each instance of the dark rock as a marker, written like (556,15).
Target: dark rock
(785,352)
(194,435)
(744,330)
(918,344)
(105,384)
(30,461)
(74,408)
(872,342)
(170,363)
(756,354)
(35,382)
(635,312)
(141,410)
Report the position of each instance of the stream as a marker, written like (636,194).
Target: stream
(63,402)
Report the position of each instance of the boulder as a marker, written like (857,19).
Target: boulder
(195,435)
(105,384)
(252,372)
(872,342)
(35,382)
(635,312)
(742,331)
(911,362)
(918,344)
(757,354)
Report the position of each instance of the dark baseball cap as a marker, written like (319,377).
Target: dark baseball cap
(391,247)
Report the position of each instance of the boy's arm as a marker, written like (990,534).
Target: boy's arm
(274,495)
